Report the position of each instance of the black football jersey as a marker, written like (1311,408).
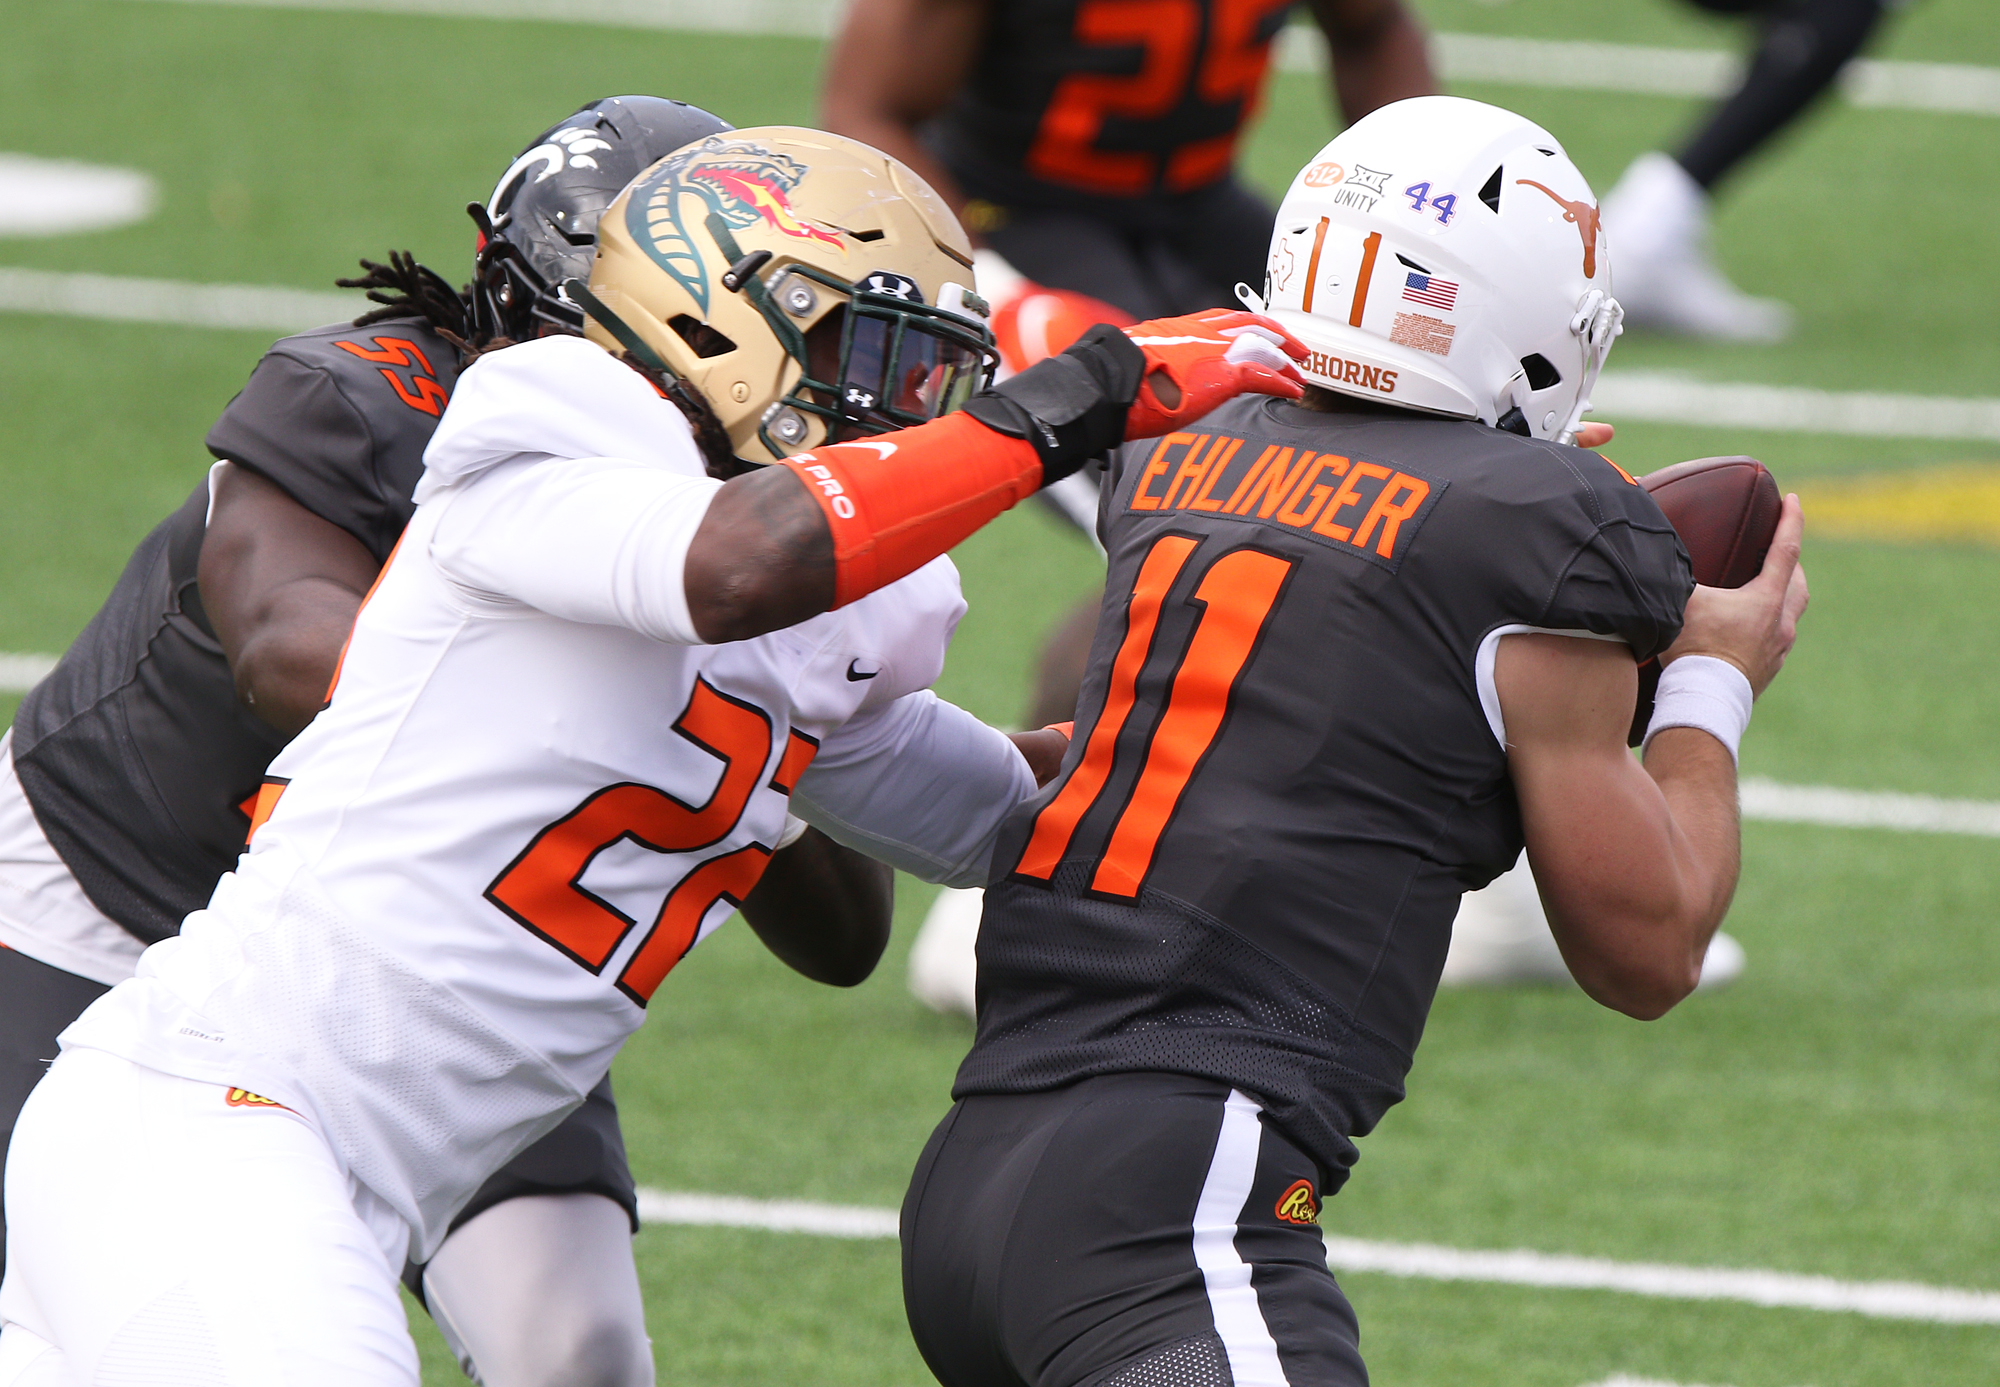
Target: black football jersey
(134,751)
(1117,107)
(1283,777)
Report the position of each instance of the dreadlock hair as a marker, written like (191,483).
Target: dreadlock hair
(406,289)
(716,450)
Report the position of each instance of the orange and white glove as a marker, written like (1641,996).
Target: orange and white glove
(1198,362)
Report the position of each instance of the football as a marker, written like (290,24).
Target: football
(1725,510)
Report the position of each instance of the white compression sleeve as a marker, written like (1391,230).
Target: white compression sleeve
(542,1289)
(1702,691)
(598,540)
(922,785)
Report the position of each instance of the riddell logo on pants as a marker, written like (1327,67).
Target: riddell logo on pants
(1297,1204)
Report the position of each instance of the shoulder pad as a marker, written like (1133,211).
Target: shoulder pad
(340,417)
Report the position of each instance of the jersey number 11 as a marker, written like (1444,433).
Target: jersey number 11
(1236,594)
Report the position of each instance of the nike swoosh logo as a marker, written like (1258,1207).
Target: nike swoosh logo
(854,678)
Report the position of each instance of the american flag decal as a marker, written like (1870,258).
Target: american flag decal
(1429,289)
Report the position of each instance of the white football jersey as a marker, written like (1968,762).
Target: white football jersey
(532,792)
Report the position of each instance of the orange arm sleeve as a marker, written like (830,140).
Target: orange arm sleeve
(898,501)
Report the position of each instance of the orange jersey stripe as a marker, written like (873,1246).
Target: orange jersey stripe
(1237,593)
(1057,822)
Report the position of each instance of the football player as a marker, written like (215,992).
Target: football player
(1092,145)
(648,605)
(1354,652)
(130,772)
(1659,210)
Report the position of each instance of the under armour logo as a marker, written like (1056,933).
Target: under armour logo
(892,285)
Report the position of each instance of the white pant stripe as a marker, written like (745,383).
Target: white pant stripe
(1253,1355)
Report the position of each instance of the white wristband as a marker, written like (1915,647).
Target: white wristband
(1702,691)
(795,828)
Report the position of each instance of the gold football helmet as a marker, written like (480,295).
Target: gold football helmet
(808,287)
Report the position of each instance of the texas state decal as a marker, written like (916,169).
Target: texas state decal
(739,181)
(1298,1204)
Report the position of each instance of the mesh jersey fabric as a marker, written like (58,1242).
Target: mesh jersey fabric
(1277,917)
(1012,135)
(134,751)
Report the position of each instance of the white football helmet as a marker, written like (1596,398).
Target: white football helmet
(1444,255)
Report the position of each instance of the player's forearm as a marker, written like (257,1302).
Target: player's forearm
(1635,869)
(824,910)
(1697,778)
(838,522)
(1379,55)
(896,64)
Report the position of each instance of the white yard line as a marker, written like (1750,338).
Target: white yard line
(1823,804)
(772,1215)
(251,307)
(1580,65)
(787,18)
(1664,398)
(1947,87)
(1621,396)
(19,673)
(1896,1300)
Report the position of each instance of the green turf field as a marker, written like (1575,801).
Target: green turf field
(1830,1114)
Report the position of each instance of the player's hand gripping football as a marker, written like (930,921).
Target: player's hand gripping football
(1198,362)
(1752,627)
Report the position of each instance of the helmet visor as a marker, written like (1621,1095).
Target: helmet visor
(903,364)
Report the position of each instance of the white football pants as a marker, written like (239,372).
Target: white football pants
(158,1234)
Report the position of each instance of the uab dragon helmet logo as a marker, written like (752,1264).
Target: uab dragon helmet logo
(737,182)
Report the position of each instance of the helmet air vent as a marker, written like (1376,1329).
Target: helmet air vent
(1541,371)
(874,235)
(705,340)
(1411,263)
(1490,193)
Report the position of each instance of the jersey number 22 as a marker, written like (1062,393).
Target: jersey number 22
(542,888)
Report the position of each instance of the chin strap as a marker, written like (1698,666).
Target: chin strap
(1598,321)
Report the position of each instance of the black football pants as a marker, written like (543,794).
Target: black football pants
(37,1003)
(1132,1230)
(1801,47)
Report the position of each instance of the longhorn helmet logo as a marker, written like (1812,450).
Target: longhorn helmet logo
(1582,214)
(740,182)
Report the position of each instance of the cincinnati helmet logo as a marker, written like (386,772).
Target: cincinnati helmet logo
(575,148)
(1298,1203)
(740,183)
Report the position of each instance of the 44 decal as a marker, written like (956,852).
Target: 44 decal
(1444,204)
